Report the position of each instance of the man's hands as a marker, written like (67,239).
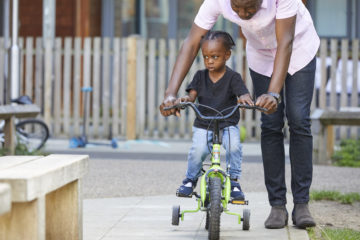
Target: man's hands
(267,101)
(168,102)
(171,101)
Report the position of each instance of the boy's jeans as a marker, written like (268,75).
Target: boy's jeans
(200,150)
(298,95)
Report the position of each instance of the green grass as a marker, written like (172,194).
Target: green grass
(342,234)
(347,198)
(318,233)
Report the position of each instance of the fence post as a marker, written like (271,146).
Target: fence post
(131,90)
(2,71)
(47,82)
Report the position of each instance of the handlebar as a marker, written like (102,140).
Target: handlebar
(183,105)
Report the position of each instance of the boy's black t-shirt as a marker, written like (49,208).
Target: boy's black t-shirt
(220,95)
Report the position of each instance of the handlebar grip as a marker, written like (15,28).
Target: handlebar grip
(181,106)
(252,107)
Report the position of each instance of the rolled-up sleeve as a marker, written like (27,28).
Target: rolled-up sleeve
(208,14)
(286,8)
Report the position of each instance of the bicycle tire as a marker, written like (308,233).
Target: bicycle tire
(175,215)
(33,133)
(246,219)
(215,208)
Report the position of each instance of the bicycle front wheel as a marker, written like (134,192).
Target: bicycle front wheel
(215,208)
(33,133)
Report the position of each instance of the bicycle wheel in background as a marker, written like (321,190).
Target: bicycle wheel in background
(33,133)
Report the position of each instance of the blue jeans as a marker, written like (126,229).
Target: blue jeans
(200,150)
(296,107)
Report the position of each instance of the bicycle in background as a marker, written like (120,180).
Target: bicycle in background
(33,133)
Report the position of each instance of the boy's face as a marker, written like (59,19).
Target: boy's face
(215,55)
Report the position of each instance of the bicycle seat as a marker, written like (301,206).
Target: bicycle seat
(22,100)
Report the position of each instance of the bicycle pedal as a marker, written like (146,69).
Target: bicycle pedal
(182,195)
(239,202)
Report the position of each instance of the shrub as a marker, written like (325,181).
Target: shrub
(349,153)
(21,149)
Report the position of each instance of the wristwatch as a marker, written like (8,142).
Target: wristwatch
(276,96)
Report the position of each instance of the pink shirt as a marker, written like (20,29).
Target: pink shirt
(260,31)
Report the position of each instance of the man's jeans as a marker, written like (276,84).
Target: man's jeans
(201,146)
(298,91)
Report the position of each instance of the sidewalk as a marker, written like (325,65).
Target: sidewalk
(138,218)
(149,217)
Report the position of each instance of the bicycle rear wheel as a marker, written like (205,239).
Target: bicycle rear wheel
(33,133)
(215,208)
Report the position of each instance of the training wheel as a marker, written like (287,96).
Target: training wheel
(175,215)
(246,219)
(207,220)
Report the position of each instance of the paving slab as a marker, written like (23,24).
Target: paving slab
(137,218)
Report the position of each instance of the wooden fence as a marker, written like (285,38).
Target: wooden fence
(129,77)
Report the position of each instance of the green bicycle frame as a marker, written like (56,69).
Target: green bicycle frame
(214,171)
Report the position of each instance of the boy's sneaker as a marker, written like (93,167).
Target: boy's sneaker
(236,192)
(186,189)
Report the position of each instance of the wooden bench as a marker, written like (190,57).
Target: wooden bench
(323,133)
(46,197)
(5,199)
(9,113)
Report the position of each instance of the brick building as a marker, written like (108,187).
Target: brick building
(161,18)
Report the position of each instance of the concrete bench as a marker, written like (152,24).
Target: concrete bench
(46,197)
(9,113)
(323,133)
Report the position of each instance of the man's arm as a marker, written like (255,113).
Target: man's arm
(184,60)
(285,30)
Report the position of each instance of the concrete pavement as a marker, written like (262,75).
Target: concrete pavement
(149,216)
(137,218)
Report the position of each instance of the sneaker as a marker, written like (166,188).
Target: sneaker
(236,192)
(186,189)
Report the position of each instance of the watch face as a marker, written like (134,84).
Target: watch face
(276,96)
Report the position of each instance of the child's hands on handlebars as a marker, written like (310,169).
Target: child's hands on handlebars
(245,99)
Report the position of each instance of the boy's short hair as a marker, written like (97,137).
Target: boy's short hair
(226,38)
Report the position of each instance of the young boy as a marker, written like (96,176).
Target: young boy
(218,87)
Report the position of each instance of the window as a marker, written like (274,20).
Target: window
(334,18)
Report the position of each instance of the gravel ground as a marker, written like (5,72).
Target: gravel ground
(119,178)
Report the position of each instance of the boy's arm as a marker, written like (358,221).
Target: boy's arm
(241,91)
(191,97)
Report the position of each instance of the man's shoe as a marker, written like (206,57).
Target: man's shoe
(236,192)
(301,216)
(186,189)
(278,217)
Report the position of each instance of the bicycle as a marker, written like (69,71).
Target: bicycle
(33,133)
(215,186)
